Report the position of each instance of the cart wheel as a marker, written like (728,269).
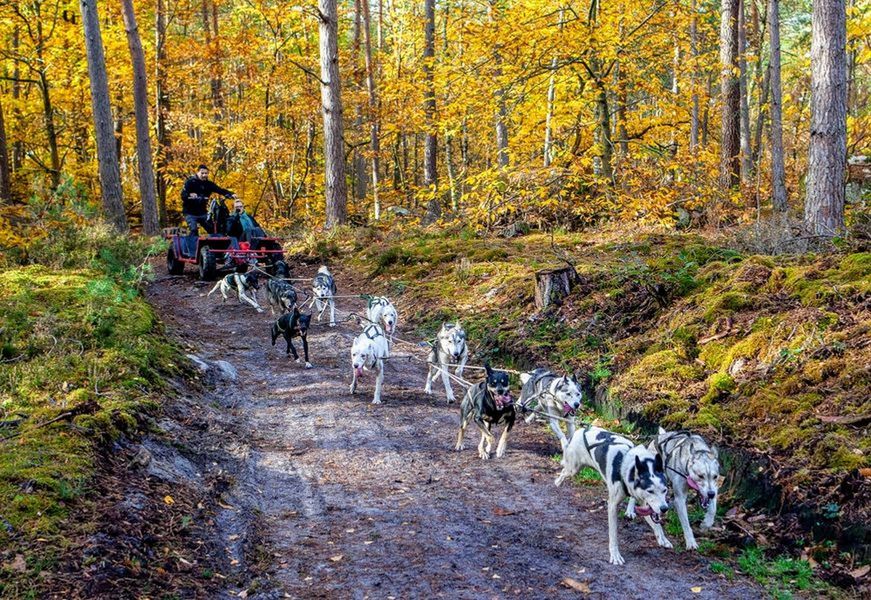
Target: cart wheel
(208,264)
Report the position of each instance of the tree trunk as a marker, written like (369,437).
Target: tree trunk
(110,177)
(730,154)
(430,164)
(374,117)
(5,171)
(150,221)
(824,205)
(161,108)
(118,124)
(331,102)
(603,133)
(50,131)
(706,114)
(359,176)
(760,116)
(501,107)
(17,145)
(452,176)
(694,50)
(778,171)
(551,96)
(620,112)
(743,90)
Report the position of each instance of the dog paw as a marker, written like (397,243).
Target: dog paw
(460,447)
(353,389)
(630,513)
(427,391)
(332,324)
(308,365)
(260,310)
(376,401)
(616,559)
(706,524)
(500,453)
(691,545)
(664,543)
(297,360)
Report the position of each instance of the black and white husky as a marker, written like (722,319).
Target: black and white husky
(324,288)
(281,294)
(380,310)
(627,469)
(449,349)
(368,352)
(690,464)
(559,396)
(488,404)
(241,284)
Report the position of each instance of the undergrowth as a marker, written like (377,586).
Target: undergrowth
(79,345)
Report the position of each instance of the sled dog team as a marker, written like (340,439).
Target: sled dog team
(629,470)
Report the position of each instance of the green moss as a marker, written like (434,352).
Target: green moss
(855,267)
(76,333)
(725,304)
(719,386)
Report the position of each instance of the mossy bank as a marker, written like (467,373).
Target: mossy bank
(767,356)
(83,360)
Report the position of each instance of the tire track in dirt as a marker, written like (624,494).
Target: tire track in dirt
(363,500)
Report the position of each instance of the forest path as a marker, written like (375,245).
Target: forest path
(360,500)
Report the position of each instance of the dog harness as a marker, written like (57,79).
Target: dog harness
(376,329)
(666,454)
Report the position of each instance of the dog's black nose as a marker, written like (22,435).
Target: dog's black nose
(712,495)
(664,508)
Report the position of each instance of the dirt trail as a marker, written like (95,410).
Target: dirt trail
(360,500)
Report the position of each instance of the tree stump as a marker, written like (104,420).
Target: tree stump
(552,285)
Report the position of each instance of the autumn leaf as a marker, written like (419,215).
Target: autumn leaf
(576,585)
(168,500)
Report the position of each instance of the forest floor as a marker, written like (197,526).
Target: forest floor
(319,493)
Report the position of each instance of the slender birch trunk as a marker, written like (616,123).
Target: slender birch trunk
(778,171)
(150,221)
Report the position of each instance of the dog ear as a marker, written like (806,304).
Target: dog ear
(487,369)
(657,463)
(716,452)
(639,466)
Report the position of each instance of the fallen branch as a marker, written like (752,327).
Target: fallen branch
(86,408)
(847,419)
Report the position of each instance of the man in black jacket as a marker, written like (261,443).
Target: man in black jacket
(197,188)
